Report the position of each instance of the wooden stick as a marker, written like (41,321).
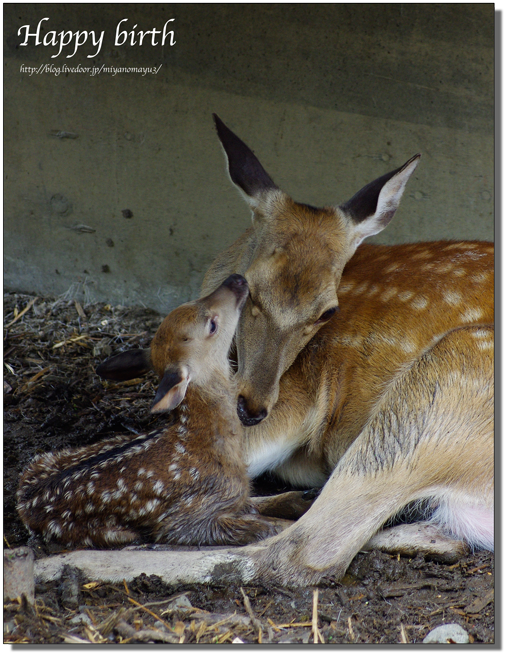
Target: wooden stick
(20,314)
(256,623)
(318,637)
(167,625)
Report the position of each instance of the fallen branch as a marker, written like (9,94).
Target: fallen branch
(255,622)
(318,637)
(175,567)
(20,314)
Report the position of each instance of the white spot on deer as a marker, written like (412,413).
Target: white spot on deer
(140,472)
(91,487)
(419,302)
(407,345)
(180,449)
(183,419)
(459,272)
(405,295)
(423,254)
(106,496)
(173,467)
(194,473)
(373,290)
(361,288)
(138,485)
(483,333)
(122,487)
(150,506)
(54,527)
(89,508)
(471,315)
(391,268)
(389,293)
(443,268)
(452,297)
(486,345)
(158,487)
(456,246)
(346,287)
(478,278)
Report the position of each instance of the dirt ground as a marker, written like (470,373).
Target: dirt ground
(53,399)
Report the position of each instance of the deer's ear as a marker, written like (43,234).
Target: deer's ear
(171,391)
(126,365)
(372,208)
(245,170)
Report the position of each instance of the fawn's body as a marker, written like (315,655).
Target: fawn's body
(185,483)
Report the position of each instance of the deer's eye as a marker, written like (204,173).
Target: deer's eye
(213,325)
(329,313)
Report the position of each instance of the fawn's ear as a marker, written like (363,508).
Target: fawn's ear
(171,390)
(126,365)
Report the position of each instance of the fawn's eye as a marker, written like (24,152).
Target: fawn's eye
(213,325)
(327,315)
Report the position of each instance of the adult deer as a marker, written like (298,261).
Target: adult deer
(365,368)
(370,366)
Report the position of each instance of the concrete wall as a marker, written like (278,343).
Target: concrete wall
(328,96)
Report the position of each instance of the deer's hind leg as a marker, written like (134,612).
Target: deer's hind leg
(430,437)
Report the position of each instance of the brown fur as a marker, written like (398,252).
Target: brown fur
(185,483)
(387,402)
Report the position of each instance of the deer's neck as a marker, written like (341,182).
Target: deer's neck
(208,415)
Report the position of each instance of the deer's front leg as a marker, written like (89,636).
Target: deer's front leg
(430,438)
(320,546)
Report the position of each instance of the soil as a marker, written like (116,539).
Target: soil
(53,399)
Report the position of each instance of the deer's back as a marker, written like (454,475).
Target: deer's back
(395,302)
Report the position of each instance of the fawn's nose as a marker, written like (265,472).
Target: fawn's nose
(247,416)
(238,285)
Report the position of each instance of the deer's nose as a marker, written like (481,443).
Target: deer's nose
(247,416)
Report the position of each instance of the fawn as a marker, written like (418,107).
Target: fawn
(185,483)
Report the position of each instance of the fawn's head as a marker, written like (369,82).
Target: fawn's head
(294,267)
(190,346)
